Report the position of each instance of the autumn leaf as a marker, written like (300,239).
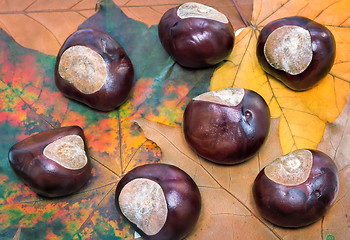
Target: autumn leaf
(228,209)
(150,12)
(30,103)
(335,143)
(43,25)
(55,20)
(303,115)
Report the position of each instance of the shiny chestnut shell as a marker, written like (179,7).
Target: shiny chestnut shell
(119,70)
(43,175)
(323,49)
(195,42)
(227,134)
(181,193)
(302,204)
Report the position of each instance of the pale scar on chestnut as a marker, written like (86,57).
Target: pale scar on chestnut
(68,152)
(291,169)
(197,10)
(84,68)
(289,48)
(229,96)
(143,203)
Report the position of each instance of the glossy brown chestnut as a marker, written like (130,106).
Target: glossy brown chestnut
(195,35)
(159,200)
(296,189)
(227,126)
(53,163)
(92,68)
(297,51)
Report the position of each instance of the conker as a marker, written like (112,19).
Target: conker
(296,189)
(159,200)
(195,35)
(92,68)
(297,51)
(53,163)
(227,126)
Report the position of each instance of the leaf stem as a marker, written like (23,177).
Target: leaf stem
(98,5)
(246,23)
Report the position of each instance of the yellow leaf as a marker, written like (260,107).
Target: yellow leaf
(303,115)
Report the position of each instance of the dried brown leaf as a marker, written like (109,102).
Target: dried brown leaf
(228,210)
(43,25)
(336,142)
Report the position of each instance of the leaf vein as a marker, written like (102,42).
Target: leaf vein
(133,155)
(272,13)
(240,63)
(282,110)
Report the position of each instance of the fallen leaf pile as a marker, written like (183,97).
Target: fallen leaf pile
(30,103)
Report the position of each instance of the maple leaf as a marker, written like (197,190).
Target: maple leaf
(47,23)
(303,115)
(30,103)
(225,191)
(55,20)
(228,209)
(335,143)
(150,12)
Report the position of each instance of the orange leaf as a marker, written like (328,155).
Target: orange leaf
(303,115)
(150,12)
(47,23)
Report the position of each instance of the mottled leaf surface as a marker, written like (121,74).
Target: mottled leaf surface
(30,103)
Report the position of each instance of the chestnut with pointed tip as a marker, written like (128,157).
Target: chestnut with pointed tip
(53,163)
(297,51)
(160,201)
(296,189)
(195,35)
(228,126)
(92,68)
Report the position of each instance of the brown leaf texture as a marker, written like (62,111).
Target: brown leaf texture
(228,210)
(335,143)
(43,25)
(150,12)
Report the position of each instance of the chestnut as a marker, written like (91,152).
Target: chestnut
(159,200)
(227,126)
(92,68)
(296,189)
(195,35)
(297,51)
(53,163)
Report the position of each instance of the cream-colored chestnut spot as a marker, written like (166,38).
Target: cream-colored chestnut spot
(289,48)
(84,68)
(229,96)
(143,203)
(197,10)
(291,169)
(68,151)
